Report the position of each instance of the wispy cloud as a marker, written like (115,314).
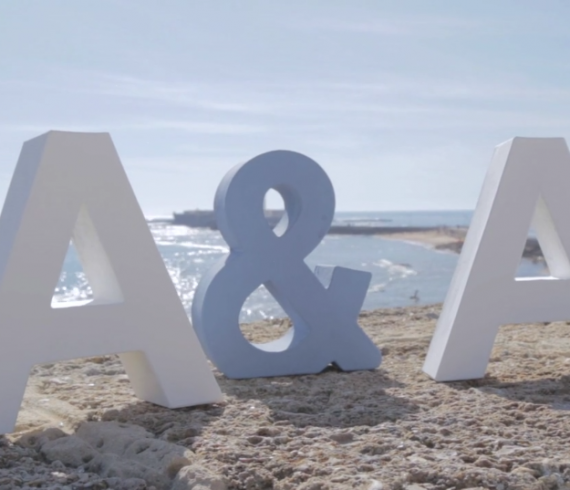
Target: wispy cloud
(263,97)
(434,26)
(336,112)
(149,125)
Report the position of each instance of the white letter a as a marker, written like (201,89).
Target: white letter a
(528,181)
(72,185)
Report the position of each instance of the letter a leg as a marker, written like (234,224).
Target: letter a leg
(13,380)
(462,344)
(162,378)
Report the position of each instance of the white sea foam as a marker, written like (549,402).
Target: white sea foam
(400,270)
(377,288)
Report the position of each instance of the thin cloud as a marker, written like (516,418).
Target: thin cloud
(149,125)
(400,27)
(260,97)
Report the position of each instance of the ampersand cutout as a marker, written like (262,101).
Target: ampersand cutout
(323,306)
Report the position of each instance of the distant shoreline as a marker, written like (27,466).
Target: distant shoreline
(438,237)
(452,239)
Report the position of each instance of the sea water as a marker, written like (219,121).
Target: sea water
(403,273)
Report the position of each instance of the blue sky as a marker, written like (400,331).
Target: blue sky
(401,102)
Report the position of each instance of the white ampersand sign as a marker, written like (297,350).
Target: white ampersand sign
(323,306)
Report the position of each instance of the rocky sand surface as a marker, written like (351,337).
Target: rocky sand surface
(81,427)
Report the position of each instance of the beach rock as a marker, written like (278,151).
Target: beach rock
(124,451)
(69,450)
(124,484)
(375,485)
(129,451)
(37,438)
(195,477)
(342,437)
(111,437)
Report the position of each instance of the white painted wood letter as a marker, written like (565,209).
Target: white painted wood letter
(72,185)
(528,182)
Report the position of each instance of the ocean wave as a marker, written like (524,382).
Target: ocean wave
(193,245)
(377,288)
(218,248)
(400,270)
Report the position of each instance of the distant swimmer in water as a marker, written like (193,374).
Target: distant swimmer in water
(416,296)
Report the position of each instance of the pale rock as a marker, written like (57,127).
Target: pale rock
(140,454)
(111,437)
(128,484)
(124,451)
(70,450)
(376,485)
(195,477)
(109,466)
(342,437)
(37,438)
(160,455)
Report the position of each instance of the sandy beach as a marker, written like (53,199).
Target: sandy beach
(81,427)
(439,238)
(452,239)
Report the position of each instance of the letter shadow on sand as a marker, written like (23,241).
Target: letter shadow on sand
(545,391)
(530,364)
(332,398)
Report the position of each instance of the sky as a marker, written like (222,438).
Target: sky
(401,102)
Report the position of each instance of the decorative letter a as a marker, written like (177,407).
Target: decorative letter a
(72,185)
(528,181)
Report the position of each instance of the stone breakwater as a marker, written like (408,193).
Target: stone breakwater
(392,428)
